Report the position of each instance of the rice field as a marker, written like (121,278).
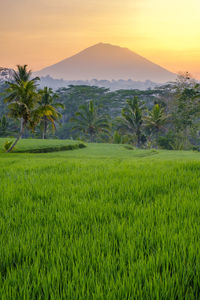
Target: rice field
(103,222)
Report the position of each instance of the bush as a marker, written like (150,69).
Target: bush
(82,145)
(126,139)
(196,148)
(167,141)
(117,138)
(7,145)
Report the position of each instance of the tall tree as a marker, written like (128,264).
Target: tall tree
(48,109)
(21,96)
(89,121)
(132,119)
(155,119)
(23,75)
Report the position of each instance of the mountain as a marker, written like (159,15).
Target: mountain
(5,74)
(105,61)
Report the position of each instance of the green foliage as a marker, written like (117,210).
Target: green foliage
(22,97)
(47,110)
(109,103)
(23,75)
(88,121)
(132,119)
(155,119)
(127,139)
(186,109)
(181,142)
(3,126)
(117,138)
(167,141)
(7,145)
(196,148)
(122,138)
(4,123)
(174,141)
(174,107)
(21,101)
(72,98)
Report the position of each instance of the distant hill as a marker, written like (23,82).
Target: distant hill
(107,62)
(113,85)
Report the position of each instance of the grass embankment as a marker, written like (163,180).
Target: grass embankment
(101,223)
(43,146)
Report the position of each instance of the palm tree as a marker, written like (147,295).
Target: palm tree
(89,122)
(132,119)
(22,96)
(156,119)
(48,109)
(22,74)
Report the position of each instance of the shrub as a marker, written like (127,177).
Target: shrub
(117,138)
(7,145)
(167,141)
(82,145)
(196,148)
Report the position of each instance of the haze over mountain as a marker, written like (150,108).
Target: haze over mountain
(105,61)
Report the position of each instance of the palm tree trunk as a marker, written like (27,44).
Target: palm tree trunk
(44,135)
(157,131)
(19,136)
(138,134)
(91,138)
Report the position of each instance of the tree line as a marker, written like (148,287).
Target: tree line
(166,117)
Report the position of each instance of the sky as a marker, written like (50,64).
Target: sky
(42,32)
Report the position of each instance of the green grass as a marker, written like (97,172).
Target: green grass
(103,222)
(42,146)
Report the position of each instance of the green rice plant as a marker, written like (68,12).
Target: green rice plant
(100,223)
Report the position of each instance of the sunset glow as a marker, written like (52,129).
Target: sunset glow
(42,32)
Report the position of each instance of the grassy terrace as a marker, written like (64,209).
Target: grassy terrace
(102,222)
(43,146)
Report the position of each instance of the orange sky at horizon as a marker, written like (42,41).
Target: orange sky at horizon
(42,32)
